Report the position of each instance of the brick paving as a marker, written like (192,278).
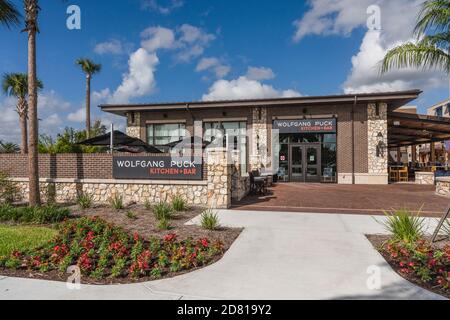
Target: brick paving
(353,199)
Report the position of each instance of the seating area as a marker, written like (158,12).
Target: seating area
(260,183)
(400,172)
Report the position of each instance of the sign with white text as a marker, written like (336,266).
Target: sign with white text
(306,126)
(156,168)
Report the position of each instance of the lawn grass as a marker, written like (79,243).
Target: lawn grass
(23,238)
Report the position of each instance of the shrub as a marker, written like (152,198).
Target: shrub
(163,224)
(84,200)
(131,215)
(148,204)
(446,228)
(35,215)
(102,250)
(8,189)
(210,220)
(421,261)
(179,204)
(50,194)
(162,211)
(117,202)
(404,226)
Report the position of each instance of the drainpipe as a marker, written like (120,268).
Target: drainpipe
(353,139)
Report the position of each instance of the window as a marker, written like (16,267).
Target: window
(160,135)
(439,112)
(234,137)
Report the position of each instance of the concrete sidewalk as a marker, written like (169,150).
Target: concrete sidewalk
(278,256)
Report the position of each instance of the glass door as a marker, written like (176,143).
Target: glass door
(296,165)
(305,163)
(313,163)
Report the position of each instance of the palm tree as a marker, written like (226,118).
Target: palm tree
(8,147)
(432,47)
(89,68)
(9,15)
(16,84)
(31,27)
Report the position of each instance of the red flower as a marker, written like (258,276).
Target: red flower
(136,237)
(204,242)
(170,237)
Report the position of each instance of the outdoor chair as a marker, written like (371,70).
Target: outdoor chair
(393,175)
(403,175)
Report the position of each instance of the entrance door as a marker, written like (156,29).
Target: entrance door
(305,164)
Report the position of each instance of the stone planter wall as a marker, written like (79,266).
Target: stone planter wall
(214,191)
(443,187)
(425,178)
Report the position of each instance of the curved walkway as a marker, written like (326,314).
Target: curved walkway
(278,256)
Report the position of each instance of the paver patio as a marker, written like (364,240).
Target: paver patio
(353,199)
(279,255)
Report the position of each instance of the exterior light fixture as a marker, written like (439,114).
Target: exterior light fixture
(380,145)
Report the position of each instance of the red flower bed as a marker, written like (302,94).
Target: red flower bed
(421,261)
(102,251)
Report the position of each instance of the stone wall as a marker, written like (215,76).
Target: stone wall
(377,125)
(214,191)
(259,140)
(240,184)
(134,127)
(443,187)
(425,178)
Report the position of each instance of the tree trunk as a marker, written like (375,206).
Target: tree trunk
(22,110)
(33,160)
(88,106)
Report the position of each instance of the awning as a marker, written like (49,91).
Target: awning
(122,142)
(412,129)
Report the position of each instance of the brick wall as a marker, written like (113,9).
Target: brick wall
(65,166)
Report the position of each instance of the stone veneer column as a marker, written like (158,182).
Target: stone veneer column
(378,165)
(134,128)
(259,143)
(219,179)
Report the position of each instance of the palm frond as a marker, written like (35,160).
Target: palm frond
(433,17)
(88,66)
(416,55)
(9,16)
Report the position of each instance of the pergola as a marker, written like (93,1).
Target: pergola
(406,130)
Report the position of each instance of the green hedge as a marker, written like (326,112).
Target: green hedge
(37,215)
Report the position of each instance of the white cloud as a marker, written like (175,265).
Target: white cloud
(140,79)
(155,5)
(192,42)
(330,17)
(155,38)
(245,88)
(77,116)
(259,74)
(114,47)
(341,17)
(50,101)
(213,64)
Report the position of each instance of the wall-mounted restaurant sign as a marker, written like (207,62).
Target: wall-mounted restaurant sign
(306,126)
(156,168)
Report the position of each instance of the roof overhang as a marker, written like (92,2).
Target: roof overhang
(413,129)
(393,99)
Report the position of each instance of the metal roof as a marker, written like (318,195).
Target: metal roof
(413,129)
(394,99)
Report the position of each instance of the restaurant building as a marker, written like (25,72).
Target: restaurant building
(341,139)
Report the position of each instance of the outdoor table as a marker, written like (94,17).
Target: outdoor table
(260,184)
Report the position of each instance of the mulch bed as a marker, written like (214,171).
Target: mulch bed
(145,225)
(378,242)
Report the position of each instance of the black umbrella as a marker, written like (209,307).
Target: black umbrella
(122,142)
(189,143)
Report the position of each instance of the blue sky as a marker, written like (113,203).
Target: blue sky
(175,50)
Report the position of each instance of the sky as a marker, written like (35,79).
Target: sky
(188,50)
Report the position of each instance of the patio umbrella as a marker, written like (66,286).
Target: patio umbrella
(122,142)
(188,143)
